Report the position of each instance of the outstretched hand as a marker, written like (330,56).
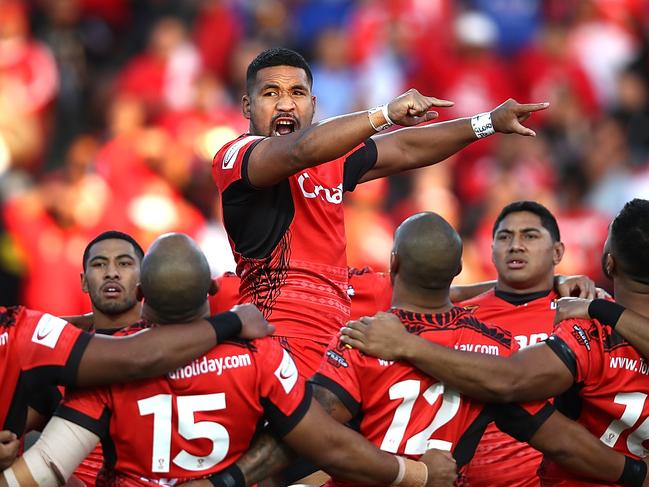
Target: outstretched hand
(412,108)
(508,117)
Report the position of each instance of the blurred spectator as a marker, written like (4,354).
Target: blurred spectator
(583,229)
(608,166)
(333,75)
(517,21)
(51,225)
(217,31)
(164,75)
(28,83)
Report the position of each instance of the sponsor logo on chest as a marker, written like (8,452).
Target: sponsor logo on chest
(311,190)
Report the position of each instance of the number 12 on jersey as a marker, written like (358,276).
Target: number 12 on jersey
(161,408)
(409,390)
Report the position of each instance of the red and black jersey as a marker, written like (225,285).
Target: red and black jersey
(37,350)
(499,459)
(612,384)
(196,420)
(289,239)
(404,411)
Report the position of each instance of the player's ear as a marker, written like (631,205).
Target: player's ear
(138,292)
(394,263)
(245,106)
(557,252)
(214,288)
(84,282)
(609,265)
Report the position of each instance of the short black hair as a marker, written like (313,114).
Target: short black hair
(110,234)
(630,240)
(276,56)
(548,221)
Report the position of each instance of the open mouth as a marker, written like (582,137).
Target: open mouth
(516,263)
(284,126)
(111,291)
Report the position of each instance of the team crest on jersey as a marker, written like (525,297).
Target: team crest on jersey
(581,336)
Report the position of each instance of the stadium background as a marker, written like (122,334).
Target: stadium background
(111,110)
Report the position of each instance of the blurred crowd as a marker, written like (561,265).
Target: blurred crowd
(111,112)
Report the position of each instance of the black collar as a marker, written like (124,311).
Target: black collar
(517,298)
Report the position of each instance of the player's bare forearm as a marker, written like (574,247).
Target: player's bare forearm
(576,449)
(149,353)
(467,291)
(416,147)
(635,329)
(531,374)
(340,451)
(266,457)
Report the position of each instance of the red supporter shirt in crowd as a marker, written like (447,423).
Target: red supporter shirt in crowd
(610,395)
(499,459)
(196,420)
(404,411)
(36,349)
(289,239)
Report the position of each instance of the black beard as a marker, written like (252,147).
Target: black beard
(112,308)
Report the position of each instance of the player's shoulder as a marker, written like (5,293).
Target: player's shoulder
(475,329)
(486,299)
(589,334)
(229,153)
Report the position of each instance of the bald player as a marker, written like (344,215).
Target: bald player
(199,419)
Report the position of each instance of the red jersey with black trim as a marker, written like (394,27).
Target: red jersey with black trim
(612,384)
(499,459)
(36,350)
(289,239)
(404,411)
(196,420)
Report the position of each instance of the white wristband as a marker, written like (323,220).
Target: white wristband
(482,126)
(384,111)
(402,471)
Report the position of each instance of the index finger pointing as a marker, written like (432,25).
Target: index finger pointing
(437,102)
(533,107)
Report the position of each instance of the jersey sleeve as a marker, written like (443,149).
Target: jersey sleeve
(284,395)
(338,374)
(578,344)
(230,164)
(89,408)
(50,349)
(357,163)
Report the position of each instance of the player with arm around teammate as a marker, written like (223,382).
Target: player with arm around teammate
(609,371)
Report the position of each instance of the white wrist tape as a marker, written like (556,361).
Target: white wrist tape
(384,111)
(482,126)
(402,471)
